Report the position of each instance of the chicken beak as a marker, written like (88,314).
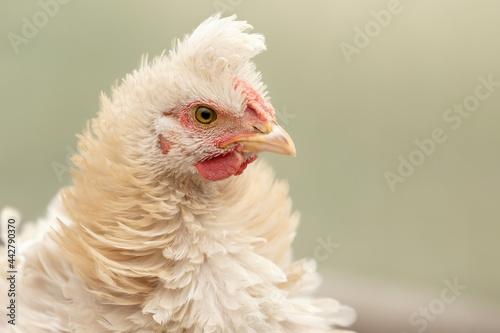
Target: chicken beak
(274,140)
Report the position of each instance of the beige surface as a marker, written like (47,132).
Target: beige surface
(350,122)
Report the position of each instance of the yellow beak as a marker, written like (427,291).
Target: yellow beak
(274,140)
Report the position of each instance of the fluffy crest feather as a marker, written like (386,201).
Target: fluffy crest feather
(220,40)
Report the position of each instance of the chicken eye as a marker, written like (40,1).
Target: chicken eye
(204,115)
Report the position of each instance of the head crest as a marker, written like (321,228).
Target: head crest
(219,41)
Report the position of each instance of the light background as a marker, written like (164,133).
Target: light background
(350,122)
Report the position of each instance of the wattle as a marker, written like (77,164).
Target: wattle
(224,166)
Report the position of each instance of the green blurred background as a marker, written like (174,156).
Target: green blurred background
(350,117)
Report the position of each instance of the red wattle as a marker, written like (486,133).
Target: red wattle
(244,165)
(225,166)
(220,167)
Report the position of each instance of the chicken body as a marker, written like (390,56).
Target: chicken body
(165,228)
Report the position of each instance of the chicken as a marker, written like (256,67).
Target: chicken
(167,227)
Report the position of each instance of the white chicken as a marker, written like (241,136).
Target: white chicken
(163,229)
